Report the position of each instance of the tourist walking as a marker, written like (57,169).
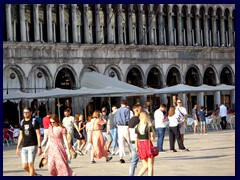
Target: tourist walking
(160,119)
(132,124)
(113,130)
(121,119)
(46,123)
(68,123)
(105,130)
(223,115)
(55,152)
(144,136)
(98,150)
(30,135)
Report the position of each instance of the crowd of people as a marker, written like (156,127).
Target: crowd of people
(105,135)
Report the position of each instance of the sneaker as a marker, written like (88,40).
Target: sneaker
(173,150)
(162,151)
(121,161)
(206,134)
(75,155)
(93,162)
(109,152)
(109,159)
(184,150)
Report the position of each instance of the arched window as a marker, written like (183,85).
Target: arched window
(201,26)
(173,77)
(175,25)
(210,25)
(15,22)
(165,25)
(218,25)
(42,22)
(184,25)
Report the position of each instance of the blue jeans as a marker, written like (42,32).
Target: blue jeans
(113,133)
(160,135)
(134,160)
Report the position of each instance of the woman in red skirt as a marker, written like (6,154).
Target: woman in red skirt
(144,135)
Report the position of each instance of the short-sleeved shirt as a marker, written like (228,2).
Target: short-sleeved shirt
(29,133)
(158,118)
(181,112)
(131,124)
(145,135)
(68,124)
(202,115)
(46,122)
(194,111)
(112,125)
(104,126)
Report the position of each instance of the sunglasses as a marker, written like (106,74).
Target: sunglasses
(52,122)
(26,112)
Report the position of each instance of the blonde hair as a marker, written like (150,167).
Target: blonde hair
(144,121)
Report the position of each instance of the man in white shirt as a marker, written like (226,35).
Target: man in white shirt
(182,114)
(223,115)
(68,123)
(160,118)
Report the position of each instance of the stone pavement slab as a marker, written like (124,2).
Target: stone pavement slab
(210,155)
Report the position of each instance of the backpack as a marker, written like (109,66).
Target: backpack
(33,122)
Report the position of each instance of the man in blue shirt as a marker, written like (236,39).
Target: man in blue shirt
(121,119)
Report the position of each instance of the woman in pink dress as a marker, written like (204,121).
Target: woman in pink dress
(97,139)
(57,155)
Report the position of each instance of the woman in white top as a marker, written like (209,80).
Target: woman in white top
(174,132)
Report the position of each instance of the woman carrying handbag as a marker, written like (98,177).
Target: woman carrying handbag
(144,135)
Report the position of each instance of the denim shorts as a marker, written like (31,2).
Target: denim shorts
(107,137)
(203,123)
(29,154)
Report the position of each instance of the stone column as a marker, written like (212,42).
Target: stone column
(62,23)
(74,23)
(22,22)
(232,98)
(205,27)
(160,25)
(97,24)
(163,99)
(150,24)
(109,25)
(36,23)
(214,31)
(188,30)
(197,30)
(170,27)
(222,31)
(140,24)
(119,24)
(200,99)
(217,99)
(179,29)
(85,23)
(49,23)
(9,22)
(130,27)
(230,32)
(184,101)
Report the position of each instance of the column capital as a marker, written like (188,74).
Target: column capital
(8,5)
(49,5)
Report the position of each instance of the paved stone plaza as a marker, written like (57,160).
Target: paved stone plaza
(210,155)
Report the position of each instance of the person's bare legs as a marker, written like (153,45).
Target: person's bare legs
(29,167)
(150,166)
(83,143)
(144,168)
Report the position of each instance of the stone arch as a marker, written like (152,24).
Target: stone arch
(87,68)
(70,75)
(135,76)
(193,74)
(210,76)
(173,76)
(226,75)
(17,70)
(157,72)
(44,72)
(114,71)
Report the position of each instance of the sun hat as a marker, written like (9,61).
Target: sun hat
(42,162)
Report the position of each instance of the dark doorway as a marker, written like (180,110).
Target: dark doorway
(64,80)
(210,102)
(11,113)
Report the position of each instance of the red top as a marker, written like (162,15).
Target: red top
(46,122)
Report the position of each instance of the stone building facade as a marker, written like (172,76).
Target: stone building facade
(51,45)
